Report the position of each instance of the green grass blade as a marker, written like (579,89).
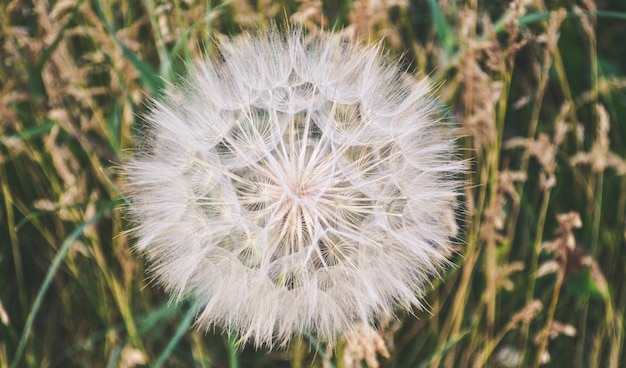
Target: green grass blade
(442,28)
(537,17)
(321,351)
(48,279)
(232,352)
(33,132)
(442,350)
(165,59)
(180,331)
(147,74)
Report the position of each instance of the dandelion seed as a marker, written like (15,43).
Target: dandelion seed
(296,184)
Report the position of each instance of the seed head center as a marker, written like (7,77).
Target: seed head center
(301,192)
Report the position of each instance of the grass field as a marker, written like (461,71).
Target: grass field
(536,90)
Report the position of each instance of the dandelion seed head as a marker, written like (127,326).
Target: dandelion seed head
(294,184)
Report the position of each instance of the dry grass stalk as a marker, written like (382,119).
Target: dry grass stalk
(364,343)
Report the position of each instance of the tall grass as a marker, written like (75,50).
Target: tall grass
(536,91)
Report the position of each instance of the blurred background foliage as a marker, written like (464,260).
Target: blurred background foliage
(536,90)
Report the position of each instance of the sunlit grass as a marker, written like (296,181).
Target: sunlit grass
(538,95)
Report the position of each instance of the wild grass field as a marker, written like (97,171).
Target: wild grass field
(536,91)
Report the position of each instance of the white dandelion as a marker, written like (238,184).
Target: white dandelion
(295,184)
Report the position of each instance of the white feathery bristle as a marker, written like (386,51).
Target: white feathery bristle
(297,184)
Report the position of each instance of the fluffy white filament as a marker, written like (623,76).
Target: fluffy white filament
(294,184)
